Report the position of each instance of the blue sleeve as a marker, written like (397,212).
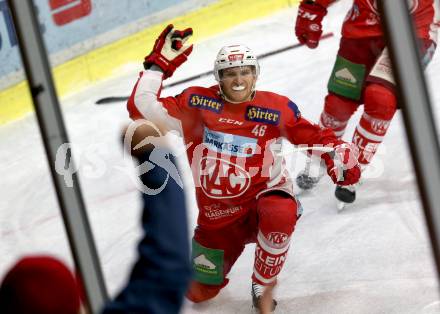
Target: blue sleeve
(160,277)
(295,110)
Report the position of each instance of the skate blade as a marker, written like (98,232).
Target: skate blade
(340,205)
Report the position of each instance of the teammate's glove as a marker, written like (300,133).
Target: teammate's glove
(342,164)
(169,50)
(308,26)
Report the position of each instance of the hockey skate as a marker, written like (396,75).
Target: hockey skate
(257,292)
(309,177)
(345,195)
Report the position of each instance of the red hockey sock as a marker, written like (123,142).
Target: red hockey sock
(367,138)
(380,106)
(337,111)
(277,214)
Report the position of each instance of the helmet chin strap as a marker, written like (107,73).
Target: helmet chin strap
(223,95)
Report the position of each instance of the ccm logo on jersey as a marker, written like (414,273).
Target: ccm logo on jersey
(230,121)
(204,102)
(258,114)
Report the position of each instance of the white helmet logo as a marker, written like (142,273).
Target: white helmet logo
(235,57)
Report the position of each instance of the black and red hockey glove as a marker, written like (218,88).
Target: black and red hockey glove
(342,164)
(169,50)
(308,28)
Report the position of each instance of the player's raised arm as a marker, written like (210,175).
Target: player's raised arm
(169,52)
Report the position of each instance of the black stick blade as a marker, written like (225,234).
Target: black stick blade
(112,99)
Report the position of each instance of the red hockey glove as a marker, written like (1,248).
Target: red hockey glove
(343,166)
(169,50)
(308,26)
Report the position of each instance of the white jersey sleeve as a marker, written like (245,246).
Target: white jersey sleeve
(147,102)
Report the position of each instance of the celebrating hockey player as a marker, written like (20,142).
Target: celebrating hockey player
(361,74)
(232,133)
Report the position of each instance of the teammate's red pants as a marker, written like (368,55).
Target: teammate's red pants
(337,108)
(378,97)
(270,224)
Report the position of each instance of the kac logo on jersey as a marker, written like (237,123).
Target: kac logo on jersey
(265,115)
(204,102)
(230,144)
(221,178)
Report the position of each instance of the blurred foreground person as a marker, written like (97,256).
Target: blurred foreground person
(39,285)
(161,274)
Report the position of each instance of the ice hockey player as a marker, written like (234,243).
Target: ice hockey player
(361,75)
(232,133)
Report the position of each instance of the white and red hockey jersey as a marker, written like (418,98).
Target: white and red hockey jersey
(363,18)
(232,148)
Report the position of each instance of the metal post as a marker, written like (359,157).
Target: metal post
(54,134)
(417,112)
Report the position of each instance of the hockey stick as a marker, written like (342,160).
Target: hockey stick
(112,99)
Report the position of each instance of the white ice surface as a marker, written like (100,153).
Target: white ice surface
(374,257)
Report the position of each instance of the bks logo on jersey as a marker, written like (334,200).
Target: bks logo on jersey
(221,178)
(236,57)
(265,115)
(203,102)
(230,144)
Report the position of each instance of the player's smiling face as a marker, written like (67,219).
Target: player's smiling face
(238,83)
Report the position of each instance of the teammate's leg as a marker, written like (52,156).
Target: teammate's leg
(336,113)
(346,83)
(345,89)
(379,108)
(380,103)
